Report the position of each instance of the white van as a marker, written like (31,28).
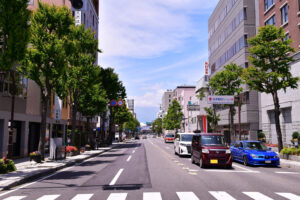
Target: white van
(183,143)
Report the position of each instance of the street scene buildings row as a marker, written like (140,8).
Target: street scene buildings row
(27,117)
(229,26)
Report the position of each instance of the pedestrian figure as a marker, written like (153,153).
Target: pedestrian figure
(296,143)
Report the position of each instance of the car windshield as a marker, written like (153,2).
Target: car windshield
(256,146)
(213,140)
(186,138)
(168,136)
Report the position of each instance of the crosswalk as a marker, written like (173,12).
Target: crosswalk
(217,195)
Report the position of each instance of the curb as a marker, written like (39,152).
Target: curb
(45,172)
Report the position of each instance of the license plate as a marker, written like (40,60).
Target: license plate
(213,161)
(268,161)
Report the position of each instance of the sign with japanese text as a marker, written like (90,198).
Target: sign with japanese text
(206,68)
(220,99)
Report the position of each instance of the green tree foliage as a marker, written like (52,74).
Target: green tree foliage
(115,91)
(157,126)
(212,118)
(82,49)
(228,82)
(132,124)
(172,120)
(14,32)
(121,115)
(45,60)
(270,72)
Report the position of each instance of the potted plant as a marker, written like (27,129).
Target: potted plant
(35,156)
(71,150)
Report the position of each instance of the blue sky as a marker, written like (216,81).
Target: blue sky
(154,45)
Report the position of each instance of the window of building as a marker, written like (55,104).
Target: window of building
(284,14)
(20,87)
(270,21)
(287,115)
(93,21)
(287,36)
(84,18)
(31,2)
(73,13)
(268,4)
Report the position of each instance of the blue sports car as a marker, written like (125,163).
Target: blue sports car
(254,153)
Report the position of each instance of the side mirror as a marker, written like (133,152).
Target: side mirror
(270,149)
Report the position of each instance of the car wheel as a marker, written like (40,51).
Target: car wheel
(246,161)
(201,165)
(229,166)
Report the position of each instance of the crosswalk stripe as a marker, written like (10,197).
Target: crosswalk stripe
(117,196)
(152,196)
(49,197)
(15,198)
(187,196)
(257,196)
(289,196)
(221,195)
(82,196)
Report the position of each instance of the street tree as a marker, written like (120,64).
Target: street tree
(228,82)
(93,101)
(173,118)
(212,118)
(45,60)
(14,37)
(132,124)
(121,115)
(157,126)
(270,54)
(82,53)
(115,91)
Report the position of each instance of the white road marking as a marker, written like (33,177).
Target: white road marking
(117,196)
(193,170)
(220,195)
(229,171)
(116,177)
(15,198)
(167,147)
(128,159)
(257,196)
(133,151)
(289,196)
(187,196)
(241,167)
(152,196)
(82,196)
(287,173)
(49,197)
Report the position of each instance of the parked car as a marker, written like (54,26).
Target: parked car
(254,153)
(209,149)
(169,138)
(183,143)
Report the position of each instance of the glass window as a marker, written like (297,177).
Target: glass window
(299,5)
(186,138)
(256,146)
(287,36)
(268,4)
(270,21)
(213,140)
(284,14)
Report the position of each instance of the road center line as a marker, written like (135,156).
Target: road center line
(287,173)
(128,159)
(230,171)
(133,151)
(116,177)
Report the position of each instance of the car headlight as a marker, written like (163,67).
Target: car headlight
(205,151)
(228,151)
(253,156)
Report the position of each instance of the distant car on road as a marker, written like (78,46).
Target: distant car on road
(183,143)
(169,138)
(209,149)
(137,137)
(254,153)
(144,137)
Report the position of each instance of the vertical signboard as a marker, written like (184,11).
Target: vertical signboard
(77,17)
(206,68)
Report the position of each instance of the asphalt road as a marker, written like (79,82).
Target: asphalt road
(148,169)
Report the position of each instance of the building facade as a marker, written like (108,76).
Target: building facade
(166,101)
(184,94)
(285,14)
(230,25)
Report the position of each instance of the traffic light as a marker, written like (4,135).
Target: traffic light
(77,4)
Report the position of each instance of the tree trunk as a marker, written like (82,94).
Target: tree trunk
(231,123)
(277,120)
(215,123)
(102,131)
(74,112)
(12,112)
(45,101)
(120,133)
(87,135)
(111,129)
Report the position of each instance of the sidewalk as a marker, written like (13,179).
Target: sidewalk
(27,171)
(289,164)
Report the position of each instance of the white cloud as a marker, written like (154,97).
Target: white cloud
(146,28)
(149,99)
